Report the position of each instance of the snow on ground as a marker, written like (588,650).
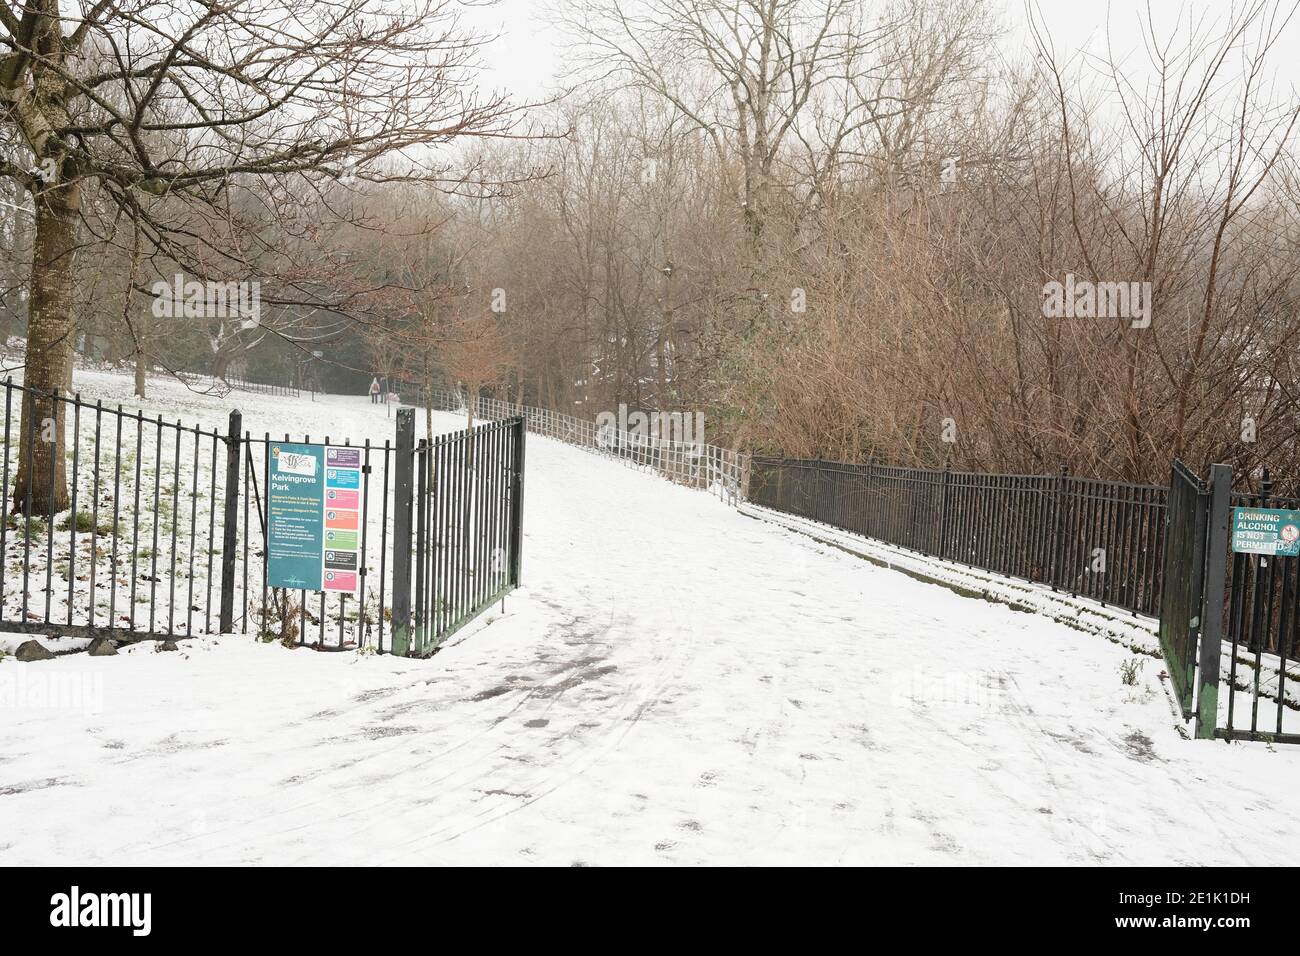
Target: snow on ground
(1140,634)
(676,683)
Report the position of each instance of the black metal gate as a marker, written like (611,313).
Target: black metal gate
(1186,514)
(1192,593)
(1244,606)
(1262,623)
(467,525)
(164,535)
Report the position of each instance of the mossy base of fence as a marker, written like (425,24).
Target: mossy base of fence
(413,642)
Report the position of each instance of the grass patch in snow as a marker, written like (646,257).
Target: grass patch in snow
(86,524)
(36,528)
(1130,671)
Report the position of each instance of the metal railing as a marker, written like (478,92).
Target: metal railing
(468,524)
(694,464)
(164,531)
(1261,622)
(1099,539)
(238,381)
(136,549)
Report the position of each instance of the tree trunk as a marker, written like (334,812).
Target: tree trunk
(42,467)
(139,373)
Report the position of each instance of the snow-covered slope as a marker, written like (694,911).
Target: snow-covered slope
(676,682)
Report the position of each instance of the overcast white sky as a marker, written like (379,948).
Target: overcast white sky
(525,59)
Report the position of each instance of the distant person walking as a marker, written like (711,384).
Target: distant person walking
(374,391)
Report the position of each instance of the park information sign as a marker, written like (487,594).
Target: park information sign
(295,529)
(313,518)
(342,519)
(1274,531)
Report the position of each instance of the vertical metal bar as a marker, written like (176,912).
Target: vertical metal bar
(363,622)
(438,542)
(194,540)
(157,492)
(94,513)
(1058,542)
(176,504)
(1286,621)
(421,530)
(1103,504)
(1236,624)
(117,498)
(230,525)
(383,550)
(27,507)
(437,484)
(495,532)
(517,506)
(4,523)
(480,541)
(463,594)
(263,520)
(72,521)
(1258,618)
(446,488)
(135,525)
(457,600)
(212,536)
(343,613)
(49,519)
(247,542)
(405,450)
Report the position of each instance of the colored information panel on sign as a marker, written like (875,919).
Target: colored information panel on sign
(343,477)
(343,499)
(341,540)
(340,571)
(1274,531)
(295,505)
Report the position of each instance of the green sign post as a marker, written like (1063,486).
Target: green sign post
(1271,531)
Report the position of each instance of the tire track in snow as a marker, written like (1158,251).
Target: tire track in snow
(586,751)
(272,820)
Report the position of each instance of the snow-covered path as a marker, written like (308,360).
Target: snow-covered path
(677,683)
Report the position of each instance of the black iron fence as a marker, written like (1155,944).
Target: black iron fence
(164,532)
(1160,552)
(238,380)
(468,520)
(1099,539)
(694,463)
(1181,596)
(318,618)
(1261,622)
(137,548)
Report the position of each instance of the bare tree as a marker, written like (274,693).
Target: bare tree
(742,71)
(192,103)
(475,352)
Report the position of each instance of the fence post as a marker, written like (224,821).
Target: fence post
(404,462)
(1216,558)
(869,524)
(943,508)
(230,525)
(1057,540)
(517,504)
